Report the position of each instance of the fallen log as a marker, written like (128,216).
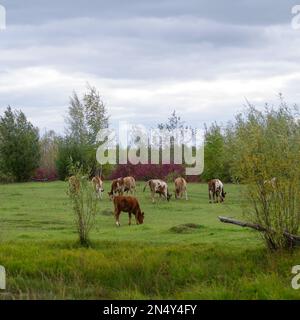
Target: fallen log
(294,239)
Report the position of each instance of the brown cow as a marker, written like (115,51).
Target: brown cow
(121,185)
(116,187)
(216,191)
(130,205)
(180,188)
(158,186)
(98,186)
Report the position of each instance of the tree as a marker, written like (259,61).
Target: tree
(95,113)
(86,117)
(266,150)
(216,159)
(174,122)
(19,145)
(76,124)
(49,152)
(69,152)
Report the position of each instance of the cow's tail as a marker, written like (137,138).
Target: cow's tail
(147,183)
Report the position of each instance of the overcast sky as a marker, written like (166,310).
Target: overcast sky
(202,58)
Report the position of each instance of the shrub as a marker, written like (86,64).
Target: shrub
(266,145)
(84,203)
(148,171)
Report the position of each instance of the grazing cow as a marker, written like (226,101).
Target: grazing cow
(180,188)
(74,185)
(98,186)
(216,190)
(158,186)
(129,184)
(130,205)
(121,185)
(116,188)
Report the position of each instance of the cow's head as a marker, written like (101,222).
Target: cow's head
(111,195)
(140,217)
(223,194)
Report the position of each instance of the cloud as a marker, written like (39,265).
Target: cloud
(201,58)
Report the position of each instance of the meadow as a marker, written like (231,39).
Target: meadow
(181,251)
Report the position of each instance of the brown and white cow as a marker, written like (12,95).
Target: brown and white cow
(180,188)
(121,185)
(158,186)
(98,186)
(130,205)
(216,190)
(129,184)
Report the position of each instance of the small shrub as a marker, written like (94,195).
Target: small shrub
(84,203)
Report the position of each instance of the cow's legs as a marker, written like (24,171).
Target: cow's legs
(186,196)
(152,196)
(210,196)
(214,196)
(129,216)
(117,217)
(217,197)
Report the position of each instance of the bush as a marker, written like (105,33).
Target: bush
(45,174)
(84,203)
(266,146)
(69,153)
(146,172)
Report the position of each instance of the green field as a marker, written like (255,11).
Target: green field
(160,259)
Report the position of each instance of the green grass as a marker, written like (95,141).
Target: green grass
(181,251)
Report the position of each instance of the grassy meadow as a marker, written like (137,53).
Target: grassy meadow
(181,251)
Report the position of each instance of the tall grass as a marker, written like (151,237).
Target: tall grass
(113,270)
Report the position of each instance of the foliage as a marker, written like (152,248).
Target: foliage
(266,146)
(69,152)
(86,117)
(84,203)
(49,152)
(216,159)
(146,172)
(19,145)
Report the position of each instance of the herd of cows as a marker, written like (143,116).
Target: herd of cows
(130,204)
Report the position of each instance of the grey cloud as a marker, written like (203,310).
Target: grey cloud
(136,51)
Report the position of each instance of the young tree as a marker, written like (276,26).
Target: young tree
(19,145)
(266,158)
(84,203)
(76,124)
(216,159)
(95,113)
(49,152)
(85,118)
